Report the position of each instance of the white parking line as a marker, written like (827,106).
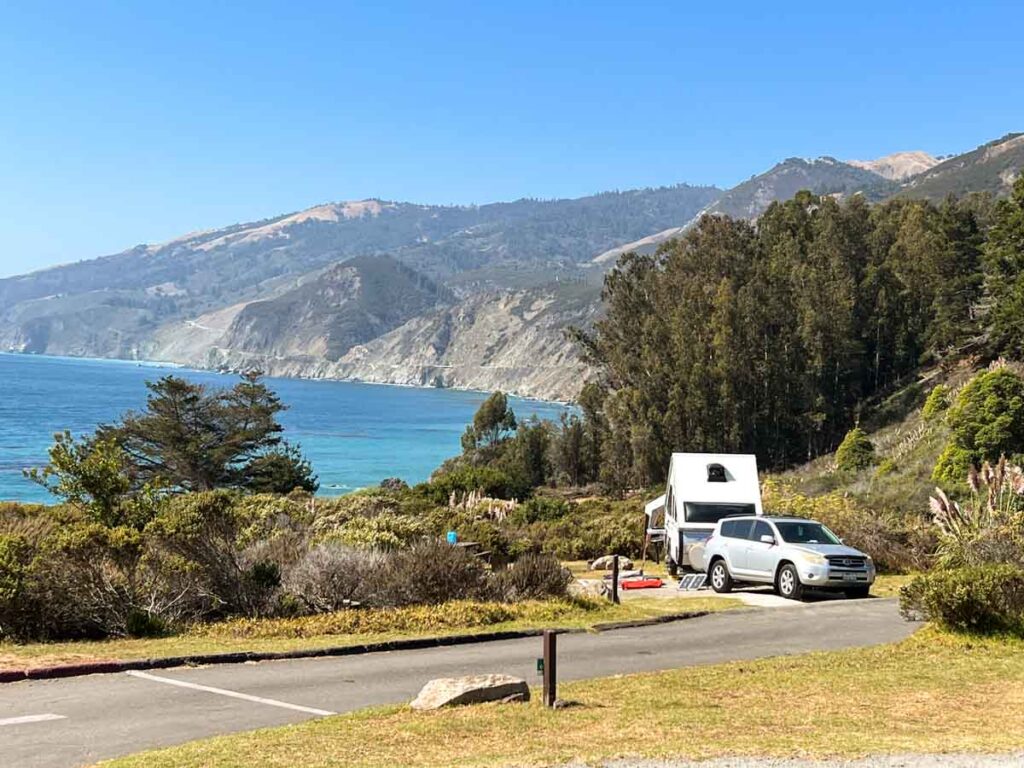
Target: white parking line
(231,694)
(29,719)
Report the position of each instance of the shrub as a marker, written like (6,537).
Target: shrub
(332,514)
(896,542)
(464,479)
(987,421)
(540,508)
(498,539)
(200,539)
(429,572)
(989,526)
(936,403)
(886,467)
(384,532)
(856,452)
(986,598)
(590,529)
(534,577)
(330,577)
(140,623)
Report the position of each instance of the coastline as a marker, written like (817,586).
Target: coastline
(355,432)
(175,365)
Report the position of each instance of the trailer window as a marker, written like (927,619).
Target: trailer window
(712,513)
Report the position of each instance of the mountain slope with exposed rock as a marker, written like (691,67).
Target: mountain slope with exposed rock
(509,340)
(990,168)
(349,303)
(898,166)
(458,296)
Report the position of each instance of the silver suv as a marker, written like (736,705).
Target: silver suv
(791,553)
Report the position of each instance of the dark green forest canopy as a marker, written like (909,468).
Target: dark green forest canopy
(772,337)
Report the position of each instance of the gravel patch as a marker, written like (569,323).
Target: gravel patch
(881,761)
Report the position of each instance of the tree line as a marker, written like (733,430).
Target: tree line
(774,337)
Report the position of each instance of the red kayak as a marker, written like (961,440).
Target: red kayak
(641,583)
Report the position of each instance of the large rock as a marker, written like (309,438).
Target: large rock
(475,689)
(605,563)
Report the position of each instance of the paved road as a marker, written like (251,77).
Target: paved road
(76,721)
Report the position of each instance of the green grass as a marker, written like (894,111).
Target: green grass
(355,627)
(934,692)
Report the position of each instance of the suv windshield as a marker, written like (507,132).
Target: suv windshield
(806,533)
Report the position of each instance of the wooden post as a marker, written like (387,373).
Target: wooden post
(615,579)
(550,670)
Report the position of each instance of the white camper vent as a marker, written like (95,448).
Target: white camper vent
(716,474)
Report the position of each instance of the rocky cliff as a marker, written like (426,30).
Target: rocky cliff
(514,341)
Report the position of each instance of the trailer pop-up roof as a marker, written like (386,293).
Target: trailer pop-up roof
(702,488)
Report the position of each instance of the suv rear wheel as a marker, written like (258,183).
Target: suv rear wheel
(787,583)
(721,580)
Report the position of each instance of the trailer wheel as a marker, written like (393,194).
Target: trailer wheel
(671,566)
(721,579)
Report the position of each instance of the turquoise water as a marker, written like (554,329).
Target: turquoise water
(355,434)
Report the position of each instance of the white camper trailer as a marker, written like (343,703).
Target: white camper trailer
(702,488)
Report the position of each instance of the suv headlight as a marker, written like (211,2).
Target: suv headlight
(812,557)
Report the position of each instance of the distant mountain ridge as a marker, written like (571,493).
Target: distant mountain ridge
(822,176)
(459,296)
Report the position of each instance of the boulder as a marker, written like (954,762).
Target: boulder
(475,689)
(605,563)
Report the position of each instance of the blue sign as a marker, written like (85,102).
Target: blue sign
(452,537)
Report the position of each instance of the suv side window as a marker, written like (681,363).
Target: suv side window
(738,529)
(761,528)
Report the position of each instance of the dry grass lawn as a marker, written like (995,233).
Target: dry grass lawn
(934,692)
(343,629)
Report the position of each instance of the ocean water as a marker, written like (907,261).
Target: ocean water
(355,434)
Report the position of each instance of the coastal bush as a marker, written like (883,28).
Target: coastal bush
(897,542)
(501,539)
(856,452)
(886,467)
(937,402)
(330,577)
(988,526)
(540,509)
(986,422)
(201,538)
(385,531)
(429,572)
(534,577)
(464,479)
(590,529)
(987,598)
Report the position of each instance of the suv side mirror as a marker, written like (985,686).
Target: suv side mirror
(767,539)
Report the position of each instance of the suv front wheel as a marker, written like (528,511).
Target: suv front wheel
(787,583)
(721,580)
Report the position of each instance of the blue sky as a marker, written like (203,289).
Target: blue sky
(123,123)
